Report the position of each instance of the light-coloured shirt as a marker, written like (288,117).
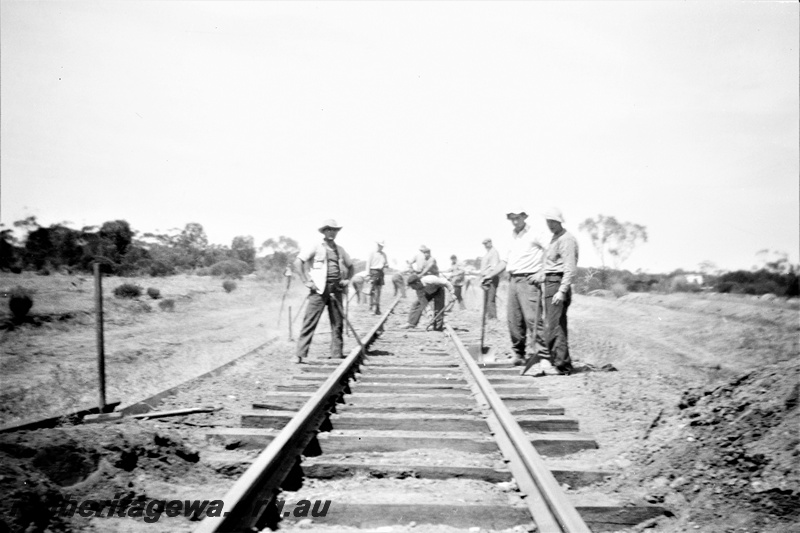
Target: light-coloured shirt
(431,284)
(316,262)
(456,275)
(490,260)
(562,256)
(423,266)
(525,255)
(377,260)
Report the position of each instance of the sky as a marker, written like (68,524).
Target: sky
(410,122)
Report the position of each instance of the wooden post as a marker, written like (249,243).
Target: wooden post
(290,323)
(101,356)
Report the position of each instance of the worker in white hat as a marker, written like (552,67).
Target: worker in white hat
(377,264)
(560,267)
(325,269)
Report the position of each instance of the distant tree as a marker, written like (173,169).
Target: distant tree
(243,249)
(8,249)
(118,235)
(192,236)
(192,243)
(281,254)
(67,246)
(708,268)
(215,253)
(773,261)
(613,239)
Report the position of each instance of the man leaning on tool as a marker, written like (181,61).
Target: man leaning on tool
(325,269)
(489,263)
(428,288)
(560,266)
(377,264)
(523,263)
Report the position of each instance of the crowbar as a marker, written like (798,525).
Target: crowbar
(349,325)
(440,313)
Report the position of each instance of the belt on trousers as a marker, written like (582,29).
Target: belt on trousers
(520,274)
(553,276)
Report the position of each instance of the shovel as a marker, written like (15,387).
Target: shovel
(480,351)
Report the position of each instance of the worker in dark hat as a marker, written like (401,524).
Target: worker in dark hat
(457,275)
(326,270)
(429,288)
(377,264)
(524,263)
(423,264)
(489,263)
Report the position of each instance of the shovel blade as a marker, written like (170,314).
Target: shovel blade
(481,354)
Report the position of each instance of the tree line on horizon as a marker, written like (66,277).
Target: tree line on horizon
(122,251)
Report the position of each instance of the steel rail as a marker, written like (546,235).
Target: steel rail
(564,517)
(247,501)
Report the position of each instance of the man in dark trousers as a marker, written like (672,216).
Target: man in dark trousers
(560,266)
(377,264)
(488,264)
(428,288)
(325,269)
(457,275)
(524,262)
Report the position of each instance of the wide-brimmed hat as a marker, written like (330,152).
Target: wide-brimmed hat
(486,240)
(380,243)
(553,213)
(519,211)
(424,248)
(413,278)
(330,223)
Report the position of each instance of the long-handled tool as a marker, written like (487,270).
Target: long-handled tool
(478,352)
(346,305)
(349,325)
(283,299)
(300,309)
(483,315)
(533,359)
(440,313)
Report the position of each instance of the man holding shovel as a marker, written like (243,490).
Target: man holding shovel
(326,270)
(524,262)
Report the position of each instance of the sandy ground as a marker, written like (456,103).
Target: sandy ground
(51,368)
(700,414)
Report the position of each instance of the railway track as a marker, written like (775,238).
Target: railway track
(414,432)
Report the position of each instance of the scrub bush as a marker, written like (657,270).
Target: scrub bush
(128,290)
(228,285)
(20,302)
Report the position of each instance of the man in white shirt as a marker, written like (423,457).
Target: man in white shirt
(524,262)
(429,288)
(326,270)
(488,264)
(377,263)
